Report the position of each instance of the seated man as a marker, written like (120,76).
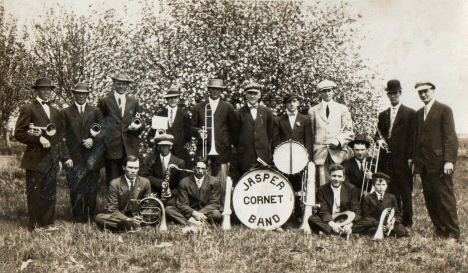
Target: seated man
(199,197)
(335,197)
(122,190)
(356,165)
(156,165)
(373,205)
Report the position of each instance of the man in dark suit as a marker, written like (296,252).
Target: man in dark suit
(178,124)
(42,155)
(373,205)
(335,197)
(82,153)
(396,127)
(121,134)
(355,167)
(118,213)
(199,197)
(156,166)
(255,130)
(434,156)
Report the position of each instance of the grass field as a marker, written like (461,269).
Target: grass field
(85,248)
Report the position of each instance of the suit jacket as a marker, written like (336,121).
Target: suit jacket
(349,201)
(255,137)
(302,132)
(353,174)
(204,200)
(77,128)
(118,139)
(328,129)
(437,141)
(372,208)
(35,156)
(119,197)
(152,170)
(401,141)
(225,124)
(181,130)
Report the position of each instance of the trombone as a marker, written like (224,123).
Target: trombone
(209,115)
(50,129)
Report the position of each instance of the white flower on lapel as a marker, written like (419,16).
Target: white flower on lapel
(298,124)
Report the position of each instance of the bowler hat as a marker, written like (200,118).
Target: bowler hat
(288,97)
(216,83)
(424,85)
(122,77)
(325,84)
(359,139)
(81,87)
(164,139)
(43,82)
(173,92)
(380,175)
(393,86)
(252,86)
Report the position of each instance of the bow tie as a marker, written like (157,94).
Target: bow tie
(45,102)
(291,114)
(253,106)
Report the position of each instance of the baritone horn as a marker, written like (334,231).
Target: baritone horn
(95,129)
(209,115)
(50,129)
(308,196)
(387,221)
(151,210)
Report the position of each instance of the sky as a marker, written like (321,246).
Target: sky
(410,41)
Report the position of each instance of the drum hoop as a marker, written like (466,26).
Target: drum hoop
(285,142)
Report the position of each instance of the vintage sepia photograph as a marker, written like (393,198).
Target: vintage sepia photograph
(233,136)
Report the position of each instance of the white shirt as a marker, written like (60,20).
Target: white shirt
(199,181)
(123,100)
(129,182)
(214,104)
(361,164)
(393,113)
(428,107)
(44,106)
(165,159)
(379,196)
(174,111)
(81,108)
(253,111)
(292,119)
(336,199)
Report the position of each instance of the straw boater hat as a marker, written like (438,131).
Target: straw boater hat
(252,86)
(81,87)
(174,91)
(216,83)
(164,139)
(122,77)
(325,84)
(43,82)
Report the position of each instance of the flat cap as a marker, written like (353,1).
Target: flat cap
(424,85)
(164,139)
(325,84)
(252,86)
(380,175)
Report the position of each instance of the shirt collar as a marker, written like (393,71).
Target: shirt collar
(119,96)
(198,181)
(396,107)
(213,101)
(170,108)
(39,100)
(429,105)
(335,189)
(168,156)
(295,112)
(129,183)
(325,103)
(79,105)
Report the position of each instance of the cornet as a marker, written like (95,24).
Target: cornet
(95,129)
(136,121)
(50,129)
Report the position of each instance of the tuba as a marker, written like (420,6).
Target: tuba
(151,210)
(50,129)
(388,217)
(308,187)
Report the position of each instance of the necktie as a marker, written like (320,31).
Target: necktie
(45,103)
(328,111)
(131,185)
(425,112)
(120,103)
(163,166)
(171,117)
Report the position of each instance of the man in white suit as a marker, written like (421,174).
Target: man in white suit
(332,127)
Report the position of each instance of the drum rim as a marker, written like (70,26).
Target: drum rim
(256,169)
(285,142)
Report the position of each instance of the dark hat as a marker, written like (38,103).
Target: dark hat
(289,97)
(393,86)
(380,175)
(43,82)
(325,84)
(164,139)
(173,92)
(81,87)
(344,218)
(360,138)
(252,86)
(216,83)
(122,77)
(423,86)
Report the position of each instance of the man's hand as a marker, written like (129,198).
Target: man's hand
(448,168)
(69,163)
(88,143)
(136,220)
(44,142)
(347,229)
(195,222)
(335,227)
(335,143)
(203,133)
(199,216)
(368,175)
(410,163)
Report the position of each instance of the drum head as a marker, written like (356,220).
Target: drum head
(263,199)
(290,157)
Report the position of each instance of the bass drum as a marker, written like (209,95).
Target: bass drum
(290,157)
(263,199)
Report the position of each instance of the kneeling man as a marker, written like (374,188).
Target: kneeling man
(335,197)
(199,198)
(118,215)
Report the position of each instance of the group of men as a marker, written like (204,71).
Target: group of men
(424,141)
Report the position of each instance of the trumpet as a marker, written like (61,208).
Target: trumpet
(95,129)
(308,186)
(151,210)
(136,121)
(50,129)
(379,234)
(208,115)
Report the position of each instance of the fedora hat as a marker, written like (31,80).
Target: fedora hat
(393,86)
(360,138)
(43,82)
(216,83)
(325,84)
(123,77)
(173,92)
(81,87)
(343,218)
